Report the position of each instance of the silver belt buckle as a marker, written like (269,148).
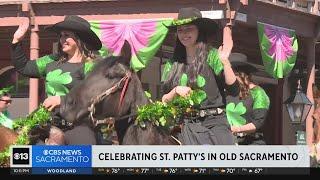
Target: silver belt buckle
(213,111)
(202,113)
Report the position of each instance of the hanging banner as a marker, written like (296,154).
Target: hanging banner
(144,36)
(279,48)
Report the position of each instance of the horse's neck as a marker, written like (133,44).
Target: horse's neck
(134,98)
(139,95)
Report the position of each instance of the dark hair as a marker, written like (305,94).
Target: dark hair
(88,54)
(244,82)
(179,55)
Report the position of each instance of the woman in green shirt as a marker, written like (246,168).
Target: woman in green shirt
(5,102)
(247,113)
(198,66)
(62,71)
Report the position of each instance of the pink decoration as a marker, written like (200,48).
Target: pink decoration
(136,32)
(281,43)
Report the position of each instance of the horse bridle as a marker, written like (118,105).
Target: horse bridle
(94,101)
(109,121)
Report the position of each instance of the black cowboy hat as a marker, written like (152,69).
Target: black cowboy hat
(192,15)
(81,27)
(240,62)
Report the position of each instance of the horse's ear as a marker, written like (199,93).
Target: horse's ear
(117,67)
(126,52)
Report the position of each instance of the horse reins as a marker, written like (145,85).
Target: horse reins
(109,121)
(103,95)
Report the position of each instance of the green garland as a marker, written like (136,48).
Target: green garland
(6,90)
(179,22)
(23,125)
(164,114)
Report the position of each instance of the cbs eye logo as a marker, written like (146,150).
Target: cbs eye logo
(20,156)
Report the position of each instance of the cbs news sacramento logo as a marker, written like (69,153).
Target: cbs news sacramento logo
(20,156)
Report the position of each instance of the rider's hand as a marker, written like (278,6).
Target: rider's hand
(21,31)
(51,102)
(224,53)
(226,48)
(182,90)
(235,129)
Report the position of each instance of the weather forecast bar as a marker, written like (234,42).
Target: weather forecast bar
(161,171)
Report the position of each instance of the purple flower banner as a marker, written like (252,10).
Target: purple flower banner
(279,47)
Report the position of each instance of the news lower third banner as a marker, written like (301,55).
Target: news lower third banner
(84,159)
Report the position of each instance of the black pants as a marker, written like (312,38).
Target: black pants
(252,139)
(212,130)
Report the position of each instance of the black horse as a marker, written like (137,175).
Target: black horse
(111,93)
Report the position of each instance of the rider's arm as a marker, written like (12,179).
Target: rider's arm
(22,64)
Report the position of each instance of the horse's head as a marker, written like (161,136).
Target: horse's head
(101,92)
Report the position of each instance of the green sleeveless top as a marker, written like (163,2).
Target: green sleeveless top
(5,120)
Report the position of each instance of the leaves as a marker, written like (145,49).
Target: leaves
(162,114)
(162,121)
(56,81)
(23,125)
(4,156)
(234,113)
(148,94)
(202,95)
(154,112)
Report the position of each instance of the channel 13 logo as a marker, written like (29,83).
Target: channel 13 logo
(20,155)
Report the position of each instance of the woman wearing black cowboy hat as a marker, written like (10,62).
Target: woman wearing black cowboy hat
(65,69)
(198,66)
(247,113)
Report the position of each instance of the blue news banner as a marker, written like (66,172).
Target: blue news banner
(213,160)
(53,159)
